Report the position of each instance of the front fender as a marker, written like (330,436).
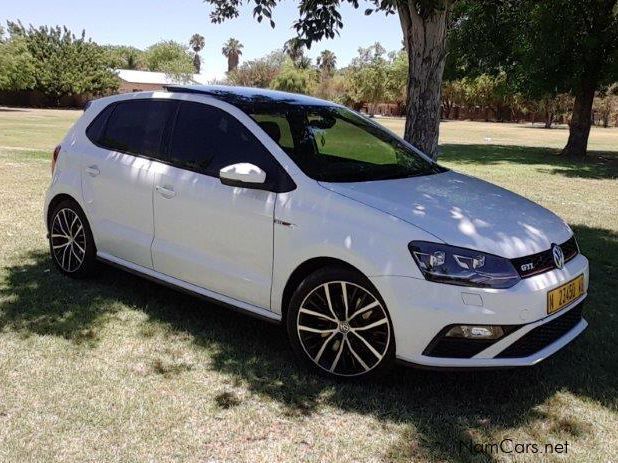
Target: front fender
(314,222)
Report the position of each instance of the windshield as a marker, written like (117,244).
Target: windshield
(334,144)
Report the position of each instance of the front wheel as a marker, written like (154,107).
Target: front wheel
(70,240)
(338,325)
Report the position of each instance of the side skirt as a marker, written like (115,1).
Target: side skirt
(190,289)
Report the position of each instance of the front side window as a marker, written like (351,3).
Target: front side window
(206,139)
(278,128)
(137,127)
(192,145)
(334,144)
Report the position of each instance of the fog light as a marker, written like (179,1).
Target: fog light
(475,332)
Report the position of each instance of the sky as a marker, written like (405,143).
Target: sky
(141,23)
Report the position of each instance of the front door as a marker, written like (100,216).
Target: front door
(214,236)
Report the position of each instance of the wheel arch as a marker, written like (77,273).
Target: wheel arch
(303,271)
(57,199)
(54,202)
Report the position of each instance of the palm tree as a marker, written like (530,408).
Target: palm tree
(232,49)
(304,62)
(295,50)
(197,43)
(327,62)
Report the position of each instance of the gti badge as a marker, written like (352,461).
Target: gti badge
(558,255)
(527,267)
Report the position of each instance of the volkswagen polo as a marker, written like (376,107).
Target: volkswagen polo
(305,213)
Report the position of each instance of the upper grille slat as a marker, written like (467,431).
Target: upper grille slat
(542,262)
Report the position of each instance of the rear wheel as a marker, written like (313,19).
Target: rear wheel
(338,325)
(70,240)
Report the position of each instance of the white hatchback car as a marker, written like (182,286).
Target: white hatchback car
(300,211)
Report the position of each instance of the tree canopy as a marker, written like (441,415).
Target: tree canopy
(125,57)
(424,24)
(54,61)
(170,57)
(544,48)
(16,65)
(259,72)
(291,79)
(197,42)
(327,62)
(232,49)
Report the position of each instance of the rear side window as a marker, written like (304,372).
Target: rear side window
(206,139)
(137,127)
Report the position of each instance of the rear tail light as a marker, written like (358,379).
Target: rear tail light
(55,158)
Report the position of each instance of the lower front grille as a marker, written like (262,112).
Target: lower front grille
(544,335)
(458,347)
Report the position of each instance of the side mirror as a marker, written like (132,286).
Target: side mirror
(243,175)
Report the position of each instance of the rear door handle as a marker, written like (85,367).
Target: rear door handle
(165,191)
(93,171)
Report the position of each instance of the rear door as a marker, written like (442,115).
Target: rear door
(118,176)
(214,236)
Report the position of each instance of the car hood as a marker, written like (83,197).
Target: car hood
(463,211)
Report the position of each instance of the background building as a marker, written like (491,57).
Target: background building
(139,81)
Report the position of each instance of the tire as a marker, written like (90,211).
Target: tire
(359,345)
(71,244)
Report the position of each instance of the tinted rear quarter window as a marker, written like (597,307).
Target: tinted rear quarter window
(94,131)
(137,127)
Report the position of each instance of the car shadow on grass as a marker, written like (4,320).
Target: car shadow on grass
(597,165)
(436,414)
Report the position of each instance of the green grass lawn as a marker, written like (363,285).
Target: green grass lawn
(120,369)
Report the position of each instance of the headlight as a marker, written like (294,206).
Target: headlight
(465,267)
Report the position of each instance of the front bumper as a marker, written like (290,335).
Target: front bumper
(420,309)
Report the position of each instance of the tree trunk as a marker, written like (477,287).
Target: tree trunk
(446,109)
(425,39)
(499,113)
(232,62)
(197,63)
(579,127)
(549,119)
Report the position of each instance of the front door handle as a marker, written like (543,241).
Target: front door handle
(93,171)
(165,191)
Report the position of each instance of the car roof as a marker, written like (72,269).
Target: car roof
(243,96)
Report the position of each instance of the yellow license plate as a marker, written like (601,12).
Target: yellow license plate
(563,295)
